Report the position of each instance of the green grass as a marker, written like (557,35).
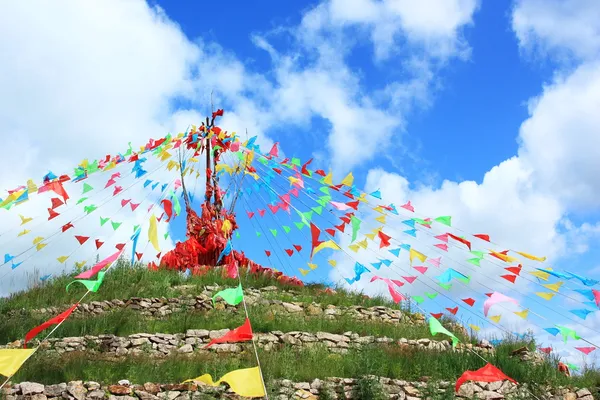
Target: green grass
(296,365)
(125,322)
(124,281)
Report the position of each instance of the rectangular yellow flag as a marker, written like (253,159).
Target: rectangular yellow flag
(12,359)
(244,382)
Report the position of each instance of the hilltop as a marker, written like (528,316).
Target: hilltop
(150,326)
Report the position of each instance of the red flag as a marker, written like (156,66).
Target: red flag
(52,321)
(546,350)
(330,232)
(250,214)
(57,188)
(304,170)
(586,350)
(168,207)
(289,252)
(453,310)
(56,202)
(67,226)
(489,373)
(353,204)
(53,214)
(118,189)
(483,237)
(98,243)
(510,278)
(124,202)
(340,227)
(463,241)
(298,248)
(268,253)
(437,315)
(273,208)
(514,270)
(320,172)
(279,171)
(315,233)
(262,212)
(385,239)
(596,294)
(82,239)
(469,301)
(120,246)
(240,334)
(421,269)
(139,256)
(134,206)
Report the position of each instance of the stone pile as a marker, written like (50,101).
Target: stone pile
(336,387)
(161,344)
(162,307)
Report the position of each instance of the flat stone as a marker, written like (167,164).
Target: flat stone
(186,348)
(151,388)
(55,390)
(30,388)
(119,389)
(292,308)
(489,395)
(143,395)
(95,395)
(38,396)
(583,392)
(76,390)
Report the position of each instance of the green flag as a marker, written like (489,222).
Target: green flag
(317,209)
(474,261)
(431,295)
(90,208)
(87,188)
(274,232)
(567,332)
(115,225)
(436,327)
(299,225)
(176,204)
(355,227)
(81,200)
(324,189)
(444,220)
(92,286)
(287,229)
(477,253)
(296,162)
(258,234)
(232,296)
(103,221)
(166,235)
(446,286)
(135,228)
(418,299)
(237,235)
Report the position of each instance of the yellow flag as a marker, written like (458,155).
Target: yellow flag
(329,244)
(333,263)
(529,256)
(312,266)
(226,226)
(475,327)
(495,318)
(540,274)
(413,253)
(379,209)
(244,382)
(348,180)
(40,246)
(31,186)
(354,248)
(80,264)
(11,197)
(544,295)
(503,257)
(172,164)
(37,240)
(363,244)
(12,359)
(371,235)
(381,219)
(328,180)
(62,259)
(303,271)
(523,314)
(363,198)
(24,220)
(110,166)
(153,234)
(553,286)
(165,156)
(25,232)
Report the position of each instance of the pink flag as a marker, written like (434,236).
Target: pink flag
(96,268)
(494,299)
(586,350)
(443,238)
(397,297)
(235,146)
(435,261)
(421,269)
(408,207)
(442,246)
(340,206)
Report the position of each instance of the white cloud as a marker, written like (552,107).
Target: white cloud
(561,28)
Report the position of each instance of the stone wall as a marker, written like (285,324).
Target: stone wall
(161,344)
(338,387)
(161,307)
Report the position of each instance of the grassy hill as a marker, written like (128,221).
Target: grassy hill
(385,340)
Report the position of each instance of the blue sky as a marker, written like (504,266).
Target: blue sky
(485,111)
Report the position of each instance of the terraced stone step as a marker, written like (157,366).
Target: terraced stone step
(281,390)
(162,344)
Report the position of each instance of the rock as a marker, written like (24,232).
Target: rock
(494,386)
(332,337)
(91,385)
(151,388)
(95,395)
(468,390)
(30,388)
(55,390)
(489,395)
(76,390)
(119,389)
(182,387)
(314,309)
(570,396)
(170,395)
(186,348)
(145,395)
(412,391)
(217,334)
(588,397)
(292,308)
(38,396)
(583,392)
